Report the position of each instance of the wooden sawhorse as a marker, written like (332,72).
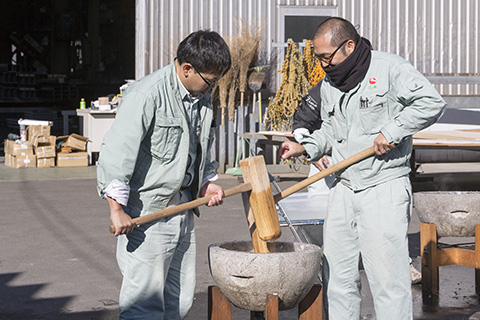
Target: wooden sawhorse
(310,308)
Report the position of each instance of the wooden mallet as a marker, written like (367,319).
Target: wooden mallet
(260,208)
(255,217)
(261,201)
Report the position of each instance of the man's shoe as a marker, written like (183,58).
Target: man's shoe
(416,275)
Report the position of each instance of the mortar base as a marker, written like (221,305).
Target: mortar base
(310,308)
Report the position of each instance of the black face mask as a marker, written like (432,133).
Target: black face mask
(353,69)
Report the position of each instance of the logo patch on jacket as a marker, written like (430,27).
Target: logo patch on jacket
(372,81)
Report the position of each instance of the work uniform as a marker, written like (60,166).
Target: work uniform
(369,208)
(157,154)
(307,119)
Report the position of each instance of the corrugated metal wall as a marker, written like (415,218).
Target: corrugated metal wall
(441,38)
(162,24)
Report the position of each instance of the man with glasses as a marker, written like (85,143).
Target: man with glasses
(368,98)
(157,155)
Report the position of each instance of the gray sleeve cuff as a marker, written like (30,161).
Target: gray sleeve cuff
(211,177)
(393,132)
(118,191)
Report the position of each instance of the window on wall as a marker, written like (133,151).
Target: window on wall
(299,22)
(299,28)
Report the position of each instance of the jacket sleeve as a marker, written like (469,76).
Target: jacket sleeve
(121,144)
(319,143)
(423,105)
(308,113)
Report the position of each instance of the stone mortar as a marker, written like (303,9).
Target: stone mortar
(455,213)
(246,277)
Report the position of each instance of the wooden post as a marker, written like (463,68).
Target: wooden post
(252,127)
(271,307)
(241,131)
(477,259)
(428,247)
(222,148)
(219,308)
(310,308)
(231,144)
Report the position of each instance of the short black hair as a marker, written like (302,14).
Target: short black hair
(206,51)
(340,29)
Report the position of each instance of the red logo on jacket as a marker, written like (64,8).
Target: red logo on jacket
(372,80)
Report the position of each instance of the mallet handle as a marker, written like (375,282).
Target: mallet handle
(244,187)
(322,174)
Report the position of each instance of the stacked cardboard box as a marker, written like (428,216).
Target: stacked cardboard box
(72,151)
(43,145)
(19,154)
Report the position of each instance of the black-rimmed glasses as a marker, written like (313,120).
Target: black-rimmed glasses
(328,60)
(208,83)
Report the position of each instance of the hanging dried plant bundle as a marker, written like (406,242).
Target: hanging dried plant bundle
(223,86)
(255,80)
(313,68)
(293,87)
(244,51)
(235,69)
(248,44)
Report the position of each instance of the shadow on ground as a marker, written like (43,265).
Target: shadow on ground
(19,303)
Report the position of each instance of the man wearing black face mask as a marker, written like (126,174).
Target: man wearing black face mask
(368,98)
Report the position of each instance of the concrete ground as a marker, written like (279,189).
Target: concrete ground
(58,259)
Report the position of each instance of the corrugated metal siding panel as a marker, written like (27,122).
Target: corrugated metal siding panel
(162,24)
(439,37)
(436,36)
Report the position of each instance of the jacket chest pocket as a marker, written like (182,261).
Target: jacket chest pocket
(373,112)
(338,122)
(166,138)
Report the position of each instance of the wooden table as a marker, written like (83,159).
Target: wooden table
(438,136)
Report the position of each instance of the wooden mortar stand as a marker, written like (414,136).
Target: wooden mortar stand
(310,308)
(433,257)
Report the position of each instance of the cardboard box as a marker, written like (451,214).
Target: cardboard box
(44,146)
(25,161)
(37,130)
(8,159)
(45,152)
(5,146)
(18,147)
(39,139)
(72,159)
(46,162)
(74,141)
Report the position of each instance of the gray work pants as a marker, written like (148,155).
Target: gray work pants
(373,224)
(157,262)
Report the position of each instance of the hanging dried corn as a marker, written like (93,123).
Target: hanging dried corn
(293,87)
(313,68)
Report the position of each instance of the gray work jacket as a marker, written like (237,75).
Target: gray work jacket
(393,99)
(147,147)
